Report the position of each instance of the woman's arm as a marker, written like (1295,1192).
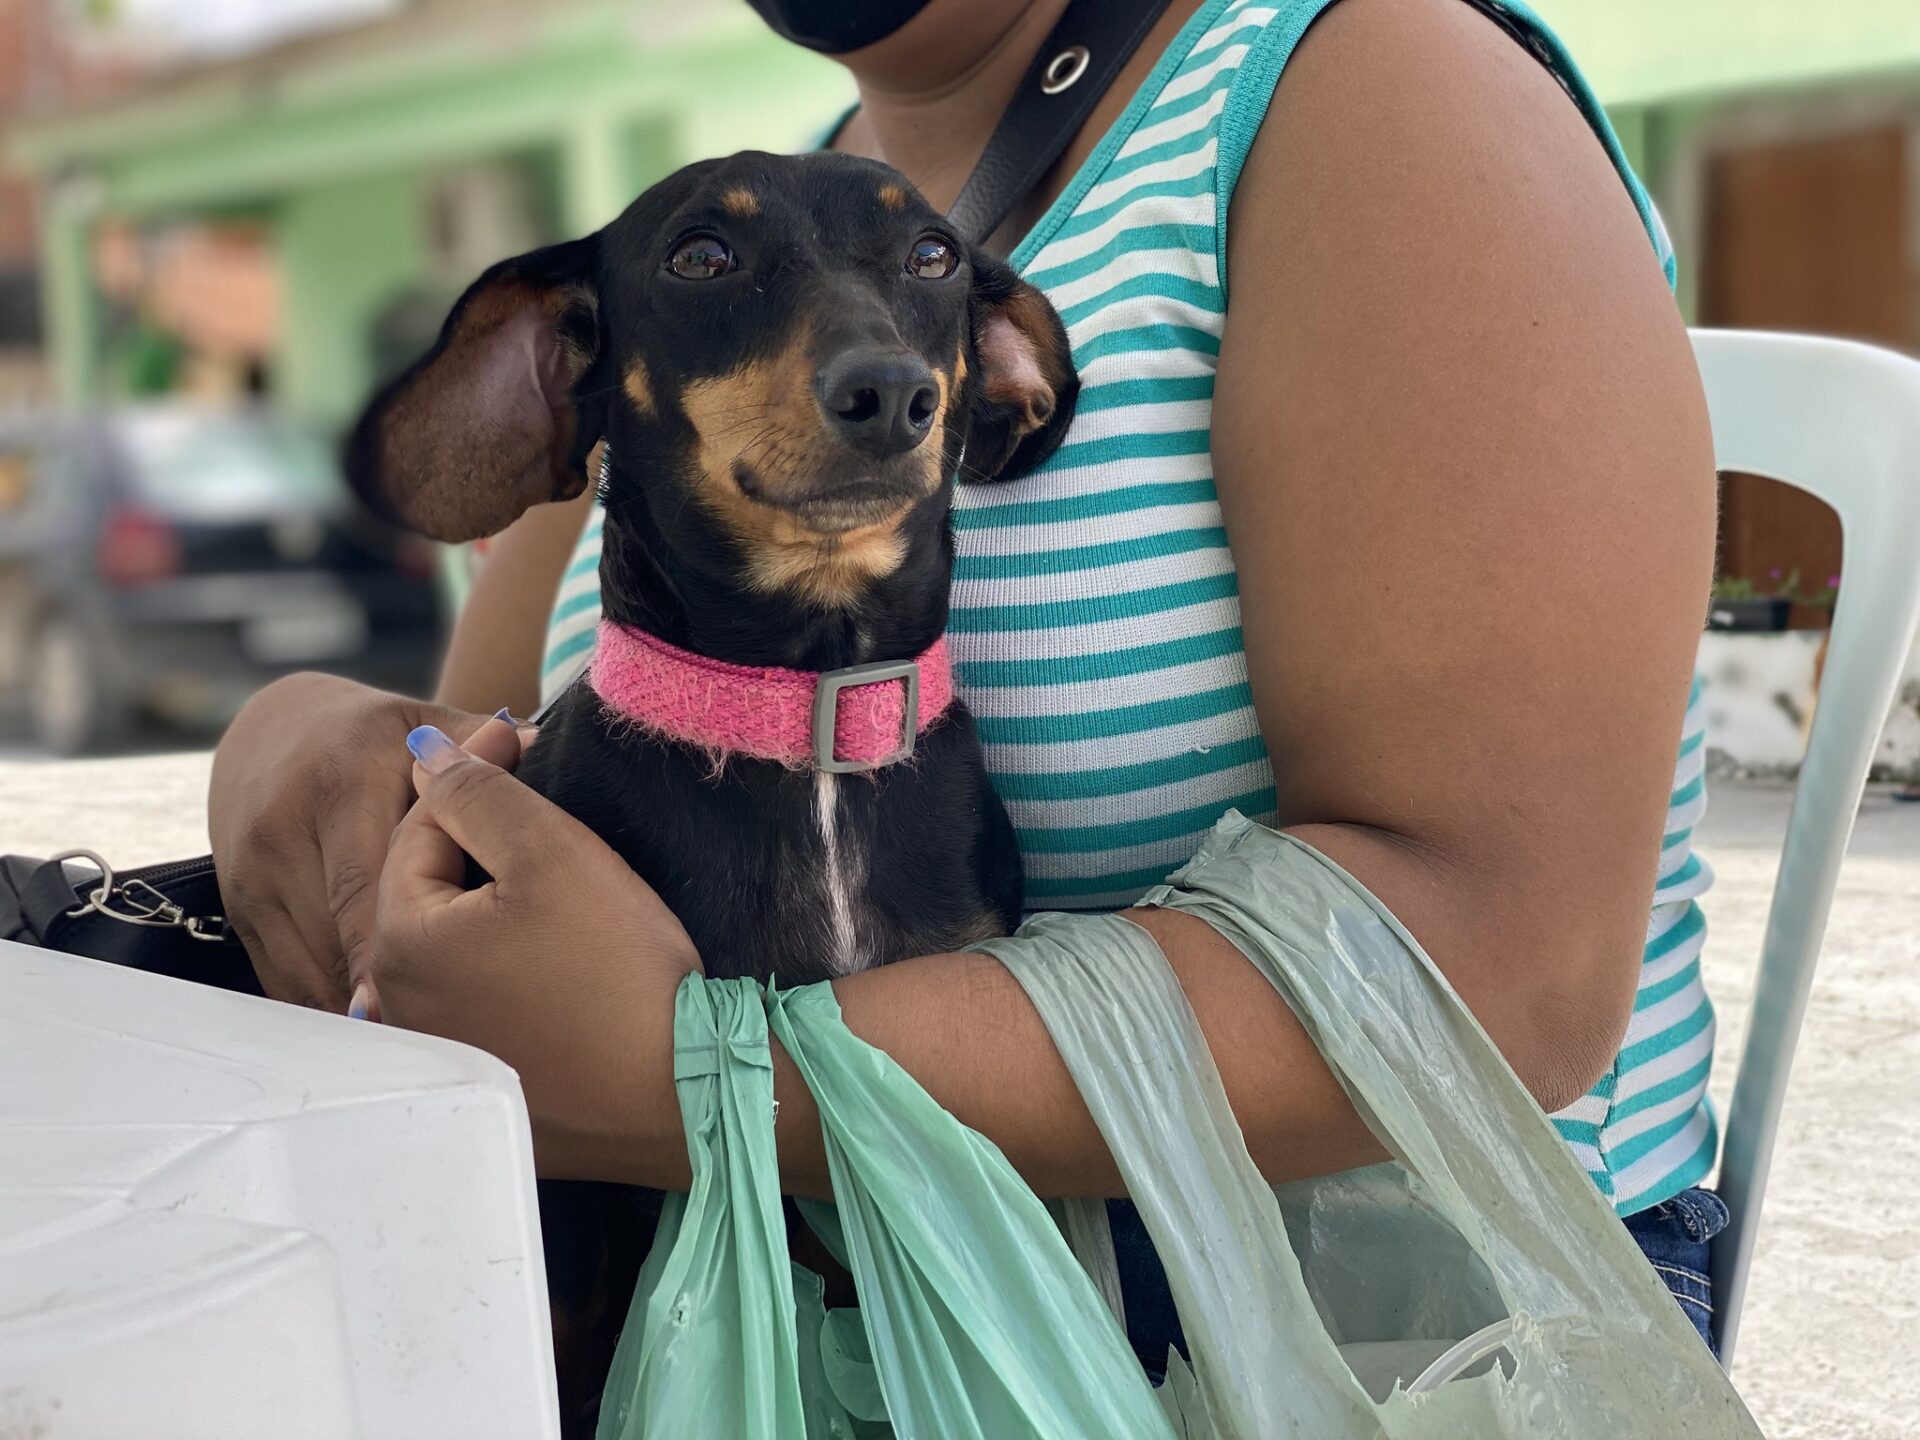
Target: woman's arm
(493,658)
(1465,468)
(1465,462)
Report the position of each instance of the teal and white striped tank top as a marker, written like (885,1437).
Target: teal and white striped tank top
(1095,614)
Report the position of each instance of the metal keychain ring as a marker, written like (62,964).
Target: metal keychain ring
(98,899)
(157,913)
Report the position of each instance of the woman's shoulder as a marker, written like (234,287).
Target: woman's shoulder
(1398,100)
(1425,197)
(1415,139)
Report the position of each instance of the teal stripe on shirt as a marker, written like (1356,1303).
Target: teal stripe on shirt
(1050,614)
(1123,720)
(1140,339)
(1121,501)
(1101,664)
(1095,398)
(1087,839)
(1087,557)
(1185,187)
(1126,242)
(1129,779)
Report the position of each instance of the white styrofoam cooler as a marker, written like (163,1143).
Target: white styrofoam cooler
(221,1217)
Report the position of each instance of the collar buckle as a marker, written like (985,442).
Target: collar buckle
(826,712)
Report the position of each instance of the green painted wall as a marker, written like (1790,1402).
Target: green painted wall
(1636,51)
(590,104)
(69,304)
(599,100)
(347,250)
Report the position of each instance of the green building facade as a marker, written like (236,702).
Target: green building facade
(337,142)
(341,143)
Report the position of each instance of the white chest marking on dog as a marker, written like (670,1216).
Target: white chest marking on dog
(836,873)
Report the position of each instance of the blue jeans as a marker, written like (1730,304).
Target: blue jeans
(1676,1237)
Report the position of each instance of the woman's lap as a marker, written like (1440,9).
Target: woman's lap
(1676,1236)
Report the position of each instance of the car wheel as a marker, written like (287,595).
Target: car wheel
(70,705)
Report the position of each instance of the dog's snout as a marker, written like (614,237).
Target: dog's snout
(880,401)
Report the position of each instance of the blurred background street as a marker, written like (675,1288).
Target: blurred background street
(221,225)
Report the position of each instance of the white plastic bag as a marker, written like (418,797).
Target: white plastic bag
(1299,1302)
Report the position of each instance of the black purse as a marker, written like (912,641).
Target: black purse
(169,919)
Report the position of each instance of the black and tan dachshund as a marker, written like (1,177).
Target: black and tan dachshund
(790,361)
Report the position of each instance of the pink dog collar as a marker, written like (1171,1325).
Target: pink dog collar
(859,718)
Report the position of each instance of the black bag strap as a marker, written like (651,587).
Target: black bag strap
(1087,49)
(31,900)
(35,896)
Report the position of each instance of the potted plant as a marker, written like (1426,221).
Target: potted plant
(1741,605)
(1821,599)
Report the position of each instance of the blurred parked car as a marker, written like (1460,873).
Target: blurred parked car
(170,561)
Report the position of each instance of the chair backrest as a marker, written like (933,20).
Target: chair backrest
(1842,422)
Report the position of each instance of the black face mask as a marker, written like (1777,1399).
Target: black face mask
(834,27)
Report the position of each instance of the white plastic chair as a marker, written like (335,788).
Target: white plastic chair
(1842,422)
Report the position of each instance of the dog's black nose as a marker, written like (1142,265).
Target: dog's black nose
(881,401)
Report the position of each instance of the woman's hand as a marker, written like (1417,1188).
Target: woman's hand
(308,784)
(564,964)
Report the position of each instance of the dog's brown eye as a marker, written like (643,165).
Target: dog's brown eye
(701,257)
(931,258)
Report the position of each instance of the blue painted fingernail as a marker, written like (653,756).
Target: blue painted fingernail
(357,1007)
(503,714)
(433,748)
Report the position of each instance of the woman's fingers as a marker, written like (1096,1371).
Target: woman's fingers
(508,829)
(499,742)
(565,966)
(425,861)
(425,867)
(303,977)
(353,850)
(307,787)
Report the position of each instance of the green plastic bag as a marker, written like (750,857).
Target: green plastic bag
(711,1329)
(981,1322)
(1319,1310)
(976,1320)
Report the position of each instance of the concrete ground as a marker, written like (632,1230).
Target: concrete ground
(1831,1346)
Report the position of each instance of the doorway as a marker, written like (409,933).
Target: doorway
(1805,235)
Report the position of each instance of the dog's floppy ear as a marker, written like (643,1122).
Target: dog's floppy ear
(1025,384)
(486,423)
